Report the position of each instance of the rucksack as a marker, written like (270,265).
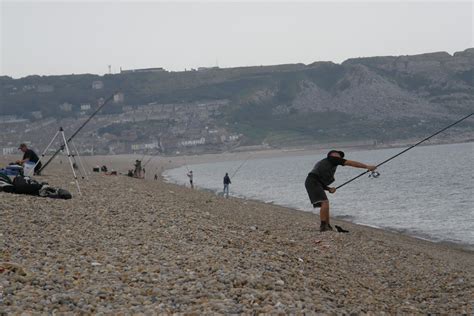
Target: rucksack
(26,185)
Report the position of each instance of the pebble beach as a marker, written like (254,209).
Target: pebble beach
(130,246)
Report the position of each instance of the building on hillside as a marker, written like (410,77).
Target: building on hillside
(97,85)
(44,88)
(159,69)
(37,115)
(154,145)
(65,107)
(119,97)
(11,119)
(192,142)
(85,107)
(9,150)
(28,87)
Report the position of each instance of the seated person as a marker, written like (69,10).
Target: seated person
(29,156)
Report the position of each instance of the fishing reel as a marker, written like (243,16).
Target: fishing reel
(374,174)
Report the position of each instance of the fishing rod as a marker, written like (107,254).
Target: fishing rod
(149,160)
(77,131)
(185,163)
(243,163)
(376,174)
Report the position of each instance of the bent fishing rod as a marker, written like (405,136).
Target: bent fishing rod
(77,131)
(405,150)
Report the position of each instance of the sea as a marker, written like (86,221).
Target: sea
(428,192)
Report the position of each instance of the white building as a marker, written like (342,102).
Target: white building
(119,97)
(44,88)
(194,142)
(37,114)
(154,145)
(97,85)
(66,107)
(9,150)
(85,107)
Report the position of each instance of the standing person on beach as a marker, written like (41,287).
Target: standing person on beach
(321,177)
(226,184)
(190,176)
(29,156)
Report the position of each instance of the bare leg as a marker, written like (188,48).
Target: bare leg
(324,212)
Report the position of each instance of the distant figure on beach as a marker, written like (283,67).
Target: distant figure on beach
(29,156)
(190,176)
(156,177)
(226,184)
(321,177)
(138,171)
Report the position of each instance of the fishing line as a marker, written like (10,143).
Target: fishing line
(243,163)
(376,174)
(185,163)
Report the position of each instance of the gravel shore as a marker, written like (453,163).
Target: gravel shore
(133,246)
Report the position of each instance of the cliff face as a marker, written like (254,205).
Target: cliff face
(396,87)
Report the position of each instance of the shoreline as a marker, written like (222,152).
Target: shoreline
(469,248)
(305,152)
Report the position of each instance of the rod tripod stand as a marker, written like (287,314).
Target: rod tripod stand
(70,156)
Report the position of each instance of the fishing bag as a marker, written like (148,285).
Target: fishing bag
(26,185)
(55,193)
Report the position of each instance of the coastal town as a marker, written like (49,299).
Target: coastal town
(146,128)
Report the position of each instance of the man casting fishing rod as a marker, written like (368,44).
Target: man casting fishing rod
(319,179)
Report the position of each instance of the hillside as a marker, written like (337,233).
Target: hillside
(376,98)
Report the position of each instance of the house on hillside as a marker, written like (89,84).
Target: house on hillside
(97,85)
(44,88)
(65,107)
(9,150)
(158,69)
(119,97)
(37,115)
(85,107)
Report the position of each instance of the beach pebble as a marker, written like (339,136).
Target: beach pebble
(129,246)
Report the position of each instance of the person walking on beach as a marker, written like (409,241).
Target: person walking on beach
(226,184)
(190,176)
(156,177)
(319,179)
(29,156)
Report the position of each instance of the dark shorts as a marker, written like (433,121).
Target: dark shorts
(315,191)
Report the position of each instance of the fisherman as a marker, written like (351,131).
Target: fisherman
(321,177)
(137,172)
(190,176)
(29,156)
(226,184)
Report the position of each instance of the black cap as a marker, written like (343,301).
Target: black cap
(341,153)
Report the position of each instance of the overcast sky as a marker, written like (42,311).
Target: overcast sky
(86,36)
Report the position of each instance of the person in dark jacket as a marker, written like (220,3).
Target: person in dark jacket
(319,179)
(29,156)
(226,184)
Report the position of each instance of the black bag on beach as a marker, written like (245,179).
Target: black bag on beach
(26,185)
(55,193)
